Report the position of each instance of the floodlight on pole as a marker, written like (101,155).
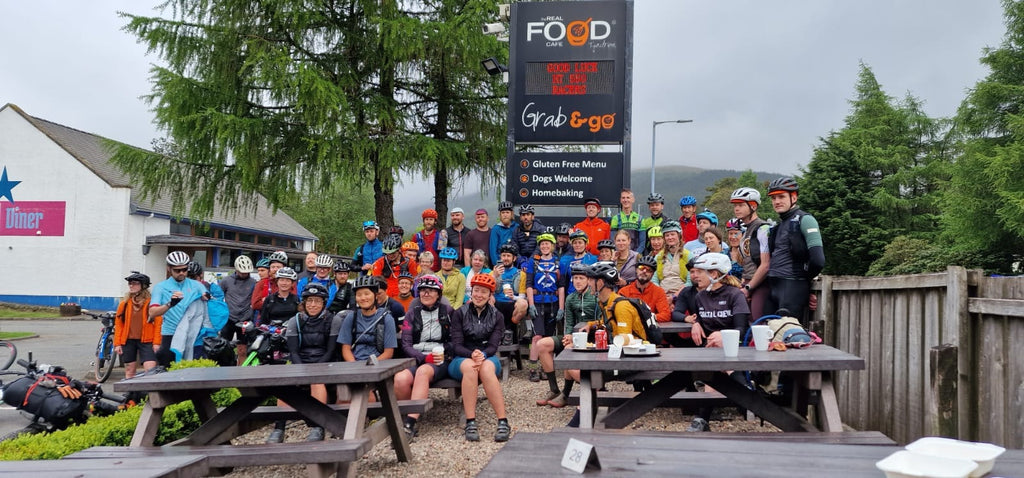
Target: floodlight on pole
(654,142)
(493,67)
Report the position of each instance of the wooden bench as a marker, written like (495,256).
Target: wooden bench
(219,458)
(684,400)
(454,387)
(852,437)
(510,352)
(183,466)
(373,410)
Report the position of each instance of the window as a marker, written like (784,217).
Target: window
(281,242)
(264,240)
(181,228)
(242,237)
(229,235)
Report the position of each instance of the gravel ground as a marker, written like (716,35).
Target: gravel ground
(440,449)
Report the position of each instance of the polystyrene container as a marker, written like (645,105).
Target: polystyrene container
(984,454)
(907,464)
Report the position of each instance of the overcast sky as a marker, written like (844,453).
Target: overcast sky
(762,80)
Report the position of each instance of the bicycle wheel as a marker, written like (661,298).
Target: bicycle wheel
(105,359)
(8,354)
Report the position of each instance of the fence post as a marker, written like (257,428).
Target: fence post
(827,313)
(944,414)
(955,329)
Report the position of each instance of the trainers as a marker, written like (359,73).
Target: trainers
(547,398)
(276,436)
(558,401)
(534,376)
(410,430)
(315,434)
(472,433)
(503,432)
(699,425)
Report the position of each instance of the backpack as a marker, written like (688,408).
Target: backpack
(378,331)
(651,329)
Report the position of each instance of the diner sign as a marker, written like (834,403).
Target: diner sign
(32,218)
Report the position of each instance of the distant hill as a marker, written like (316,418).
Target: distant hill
(671,181)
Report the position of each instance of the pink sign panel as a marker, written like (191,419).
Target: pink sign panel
(32,218)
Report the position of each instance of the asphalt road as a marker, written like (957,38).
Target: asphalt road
(70,343)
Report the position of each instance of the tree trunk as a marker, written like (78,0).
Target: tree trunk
(441,187)
(384,198)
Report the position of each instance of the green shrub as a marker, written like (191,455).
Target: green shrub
(116,430)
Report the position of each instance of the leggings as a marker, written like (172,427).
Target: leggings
(544,322)
(789,294)
(164,356)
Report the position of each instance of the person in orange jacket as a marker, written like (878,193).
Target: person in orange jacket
(136,334)
(596,228)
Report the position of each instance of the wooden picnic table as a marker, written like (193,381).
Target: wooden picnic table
(811,367)
(692,456)
(285,382)
(183,466)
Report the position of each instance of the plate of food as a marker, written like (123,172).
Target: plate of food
(590,348)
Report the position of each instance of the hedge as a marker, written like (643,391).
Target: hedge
(115,430)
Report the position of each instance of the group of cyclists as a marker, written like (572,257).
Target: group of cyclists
(448,298)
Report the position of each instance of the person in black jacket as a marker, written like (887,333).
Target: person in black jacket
(476,331)
(283,304)
(426,337)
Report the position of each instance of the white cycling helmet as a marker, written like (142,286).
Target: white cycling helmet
(746,195)
(714,261)
(278,256)
(287,273)
(324,260)
(178,259)
(243,264)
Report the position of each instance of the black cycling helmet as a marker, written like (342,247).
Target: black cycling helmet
(194,269)
(342,266)
(505,205)
(648,261)
(367,282)
(781,185)
(526,209)
(509,248)
(578,268)
(604,270)
(563,229)
(315,290)
(606,244)
(137,276)
(655,197)
(392,243)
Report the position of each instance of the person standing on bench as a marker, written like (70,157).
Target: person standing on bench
(427,327)
(312,337)
(720,305)
(476,332)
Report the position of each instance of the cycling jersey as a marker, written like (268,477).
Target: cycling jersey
(629,223)
(565,268)
(597,230)
(368,253)
(500,234)
(162,291)
(542,276)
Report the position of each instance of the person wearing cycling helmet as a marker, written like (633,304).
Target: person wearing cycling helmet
(656,206)
(385,302)
(428,238)
(705,220)
(266,287)
(312,337)
(502,232)
(720,305)
(369,329)
(453,280)
(172,299)
(753,249)
(650,293)
(597,230)
(323,265)
(562,232)
(578,255)
(797,252)
(655,241)
(618,316)
(394,263)
(478,239)
(687,221)
(136,332)
(627,219)
(341,296)
(525,236)
(284,302)
(544,291)
(309,266)
(404,297)
(477,328)
(262,269)
(510,294)
(605,250)
(427,326)
(411,251)
(580,307)
(672,271)
(367,254)
(455,236)
(684,310)
(238,289)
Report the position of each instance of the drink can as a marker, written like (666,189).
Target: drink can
(601,339)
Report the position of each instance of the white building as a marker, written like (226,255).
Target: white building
(71,226)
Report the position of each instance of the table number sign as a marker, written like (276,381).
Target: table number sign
(614,351)
(579,456)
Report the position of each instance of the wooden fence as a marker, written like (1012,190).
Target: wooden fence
(944,353)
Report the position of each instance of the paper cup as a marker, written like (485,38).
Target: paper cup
(620,340)
(762,337)
(438,350)
(731,342)
(579,340)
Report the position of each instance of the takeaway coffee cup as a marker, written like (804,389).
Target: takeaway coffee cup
(579,340)
(438,352)
(762,337)
(731,342)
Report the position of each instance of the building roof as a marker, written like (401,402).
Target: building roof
(91,151)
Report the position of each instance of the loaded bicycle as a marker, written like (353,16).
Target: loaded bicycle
(106,358)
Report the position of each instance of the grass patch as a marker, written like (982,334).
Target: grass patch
(14,335)
(9,313)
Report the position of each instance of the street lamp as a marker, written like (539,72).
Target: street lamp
(654,141)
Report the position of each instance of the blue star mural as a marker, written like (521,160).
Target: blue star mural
(6,186)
